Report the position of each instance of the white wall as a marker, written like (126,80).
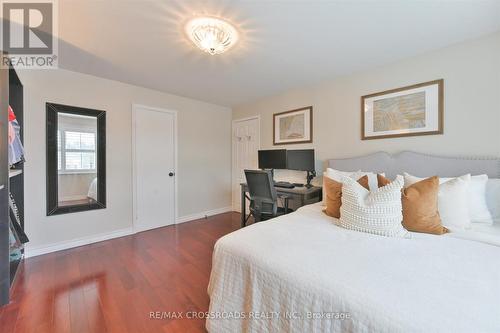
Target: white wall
(204,153)
(471,73)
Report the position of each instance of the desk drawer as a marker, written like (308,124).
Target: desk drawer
(298,200)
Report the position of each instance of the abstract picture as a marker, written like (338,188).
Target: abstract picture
(413,110)
(400,112)
(293,126)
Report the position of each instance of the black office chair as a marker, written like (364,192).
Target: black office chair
(263,196)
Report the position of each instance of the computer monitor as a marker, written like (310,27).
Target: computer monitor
(301,159)
(272,159)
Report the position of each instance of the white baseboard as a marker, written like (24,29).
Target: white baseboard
(237,208)
(64,245)
(201,215)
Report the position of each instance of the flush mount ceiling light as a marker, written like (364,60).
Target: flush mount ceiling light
(212,35)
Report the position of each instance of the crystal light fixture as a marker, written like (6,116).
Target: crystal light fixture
(212,35)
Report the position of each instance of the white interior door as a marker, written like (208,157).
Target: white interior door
(154,132)
(246,143)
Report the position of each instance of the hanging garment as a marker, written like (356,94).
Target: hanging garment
(12,133)
(12,115)
(16,149)
(16,220)
(14,243)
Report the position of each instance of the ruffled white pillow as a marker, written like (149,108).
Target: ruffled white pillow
(376,212)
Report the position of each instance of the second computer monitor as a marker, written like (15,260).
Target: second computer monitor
(272,159)
(300,159)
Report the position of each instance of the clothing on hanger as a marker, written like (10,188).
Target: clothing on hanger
(16,149)
(16,220)
(12,133)
(14,243)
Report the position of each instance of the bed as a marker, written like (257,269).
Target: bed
(92,193)
(302,273)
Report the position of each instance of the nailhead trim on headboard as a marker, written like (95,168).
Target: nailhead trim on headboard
(420,164)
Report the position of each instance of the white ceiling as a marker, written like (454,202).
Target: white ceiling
(284,44)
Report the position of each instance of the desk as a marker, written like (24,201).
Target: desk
(298,197)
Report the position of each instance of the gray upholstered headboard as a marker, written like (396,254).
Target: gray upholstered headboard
(421,165)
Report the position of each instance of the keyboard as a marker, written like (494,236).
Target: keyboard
(284,184)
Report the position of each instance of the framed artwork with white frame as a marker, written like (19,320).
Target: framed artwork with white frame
(294,126)
(407,111)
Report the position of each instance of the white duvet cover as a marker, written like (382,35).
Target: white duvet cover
(275,275)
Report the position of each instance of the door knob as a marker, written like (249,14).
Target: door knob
(171,174)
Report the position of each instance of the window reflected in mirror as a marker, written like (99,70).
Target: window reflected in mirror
(76,159)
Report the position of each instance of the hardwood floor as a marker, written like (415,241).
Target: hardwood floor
(113,286)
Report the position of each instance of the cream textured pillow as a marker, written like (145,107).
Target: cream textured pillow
(452,201)
(333,195)
(377,212)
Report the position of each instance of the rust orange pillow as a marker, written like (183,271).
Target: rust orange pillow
(382,181)
(420,206)
(333,195)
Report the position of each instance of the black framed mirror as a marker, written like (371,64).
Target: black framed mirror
(76,159)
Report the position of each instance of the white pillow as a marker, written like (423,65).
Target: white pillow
(452,200)
(376,212)
(493,198)
(476,199)
(337,176)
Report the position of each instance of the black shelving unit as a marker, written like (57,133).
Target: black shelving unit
(16,175)
(4,189)
(11,180)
